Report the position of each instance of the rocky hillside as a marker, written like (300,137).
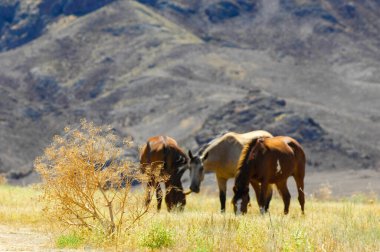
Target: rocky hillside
(23,21)
(307,29)
(268,112)
(191,69)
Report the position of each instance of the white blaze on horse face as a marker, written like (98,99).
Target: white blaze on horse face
(238,206)
(278,169)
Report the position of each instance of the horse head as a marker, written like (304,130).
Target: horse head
(175,199)
(197,172)
(240,200)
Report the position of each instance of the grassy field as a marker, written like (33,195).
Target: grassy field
(351,224)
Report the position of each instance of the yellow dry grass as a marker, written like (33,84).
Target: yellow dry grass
(19,206)
(351,224)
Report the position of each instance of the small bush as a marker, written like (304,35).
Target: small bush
(71,241)
(324,192)
(3,179)
(157,237)
(87,183)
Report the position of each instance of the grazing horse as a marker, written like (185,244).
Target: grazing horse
(269,161)
(221,156)
(162,159)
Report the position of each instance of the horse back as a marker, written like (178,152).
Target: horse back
(224,153)
(254,135)
(153,150)
(162,150)
(284,155)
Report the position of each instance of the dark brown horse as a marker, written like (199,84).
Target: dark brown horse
(269,161)
(162,159)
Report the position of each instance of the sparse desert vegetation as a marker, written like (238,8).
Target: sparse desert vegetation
(86,184)
(350,224)
(87,200)
(190,70)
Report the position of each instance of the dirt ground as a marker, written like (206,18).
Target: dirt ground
(344,183)
(23,239)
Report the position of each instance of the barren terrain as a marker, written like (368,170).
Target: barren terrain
(192,69)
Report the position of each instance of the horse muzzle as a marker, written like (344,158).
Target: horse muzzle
(194,189)
(188,192)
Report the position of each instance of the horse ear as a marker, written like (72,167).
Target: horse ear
(191,155)
(181,160)
(251,155)
(234,189)
(205,156)
(262,145)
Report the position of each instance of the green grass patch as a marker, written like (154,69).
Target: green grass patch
(158,236)
(71,241)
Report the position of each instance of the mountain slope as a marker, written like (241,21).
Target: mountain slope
(23,21)
(75,70)
(306,29)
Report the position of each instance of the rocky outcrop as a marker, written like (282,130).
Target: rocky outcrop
(23,21)
(263,111)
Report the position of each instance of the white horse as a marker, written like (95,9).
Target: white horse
(221,156)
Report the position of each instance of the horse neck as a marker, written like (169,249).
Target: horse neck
(243,175)
(244,165)
(180,152)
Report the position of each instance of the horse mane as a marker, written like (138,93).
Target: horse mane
(243,160)
(215,141)
(176,152)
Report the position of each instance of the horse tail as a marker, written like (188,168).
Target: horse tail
(299,173)
(165,150)
(145,157)
(148,152)
(300,158)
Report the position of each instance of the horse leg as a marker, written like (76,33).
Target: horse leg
(256,187)
(159,196)
(301,194)
(268,197)
(262,197)
(222,184)
(148,193)
(283,189)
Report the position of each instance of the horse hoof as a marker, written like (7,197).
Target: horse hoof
(262,211)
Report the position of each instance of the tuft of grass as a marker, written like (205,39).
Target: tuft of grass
(71,241)
(158,236)
(324,192)
(3,179)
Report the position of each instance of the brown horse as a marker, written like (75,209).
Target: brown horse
(162,159)
(221,156)
(269,161)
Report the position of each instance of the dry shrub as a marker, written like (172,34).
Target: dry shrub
(324,192)
(86,182)
(3,179)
